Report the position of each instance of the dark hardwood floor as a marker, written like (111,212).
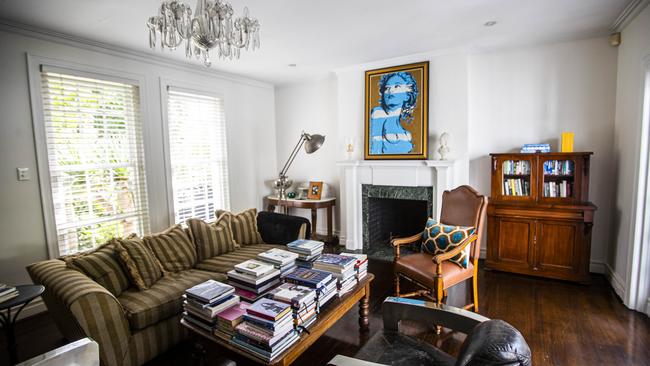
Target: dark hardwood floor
(564,324)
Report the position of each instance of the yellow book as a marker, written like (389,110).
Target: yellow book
(567,141)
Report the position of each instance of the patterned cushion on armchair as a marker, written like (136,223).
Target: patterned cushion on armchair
(439,238)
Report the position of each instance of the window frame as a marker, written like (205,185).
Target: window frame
(165,84)
(34,66)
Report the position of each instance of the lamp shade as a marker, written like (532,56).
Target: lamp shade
(313,143)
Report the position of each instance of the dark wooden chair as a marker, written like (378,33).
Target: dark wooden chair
(462,206)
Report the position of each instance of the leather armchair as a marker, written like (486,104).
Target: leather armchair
(462,206)
(488,342)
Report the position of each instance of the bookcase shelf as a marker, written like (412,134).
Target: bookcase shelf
(540,217)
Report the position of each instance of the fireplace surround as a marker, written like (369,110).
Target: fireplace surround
(435,175)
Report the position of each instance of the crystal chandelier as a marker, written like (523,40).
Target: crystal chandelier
(211,26)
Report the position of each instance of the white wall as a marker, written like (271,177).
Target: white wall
(532,95)
(250,113)
(635,46)
(310,107)
(489,102)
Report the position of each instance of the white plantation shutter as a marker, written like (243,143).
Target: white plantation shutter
(96,161)
(198,154)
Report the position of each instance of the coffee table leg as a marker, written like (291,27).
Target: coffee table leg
(364,310)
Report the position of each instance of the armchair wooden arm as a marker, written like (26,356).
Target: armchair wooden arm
(452,253)
(396,243)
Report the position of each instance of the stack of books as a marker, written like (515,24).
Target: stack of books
(307,251)
(323,282)
(341,267)
(302,299)
(282,260)
(7,292)
(253,278)
(204,301)
(267,329)
(228,319)
(361,267)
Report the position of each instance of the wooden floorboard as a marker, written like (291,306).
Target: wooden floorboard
(564,323)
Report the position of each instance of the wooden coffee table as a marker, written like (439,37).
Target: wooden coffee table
(333,311)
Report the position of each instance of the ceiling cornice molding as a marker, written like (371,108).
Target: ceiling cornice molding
(96,46)
(628,14)
(406,59)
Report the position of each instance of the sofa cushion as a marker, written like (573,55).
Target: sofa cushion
(173,248)
(141,265)
(244,227)
(211,239)
(226,262)
(163,299)
(102,266)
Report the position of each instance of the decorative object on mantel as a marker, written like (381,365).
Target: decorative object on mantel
(443,150)
(211,27)
(312,144)
(397,112)
(349,147)
(315,190)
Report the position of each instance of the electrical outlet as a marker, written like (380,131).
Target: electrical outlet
(23,174)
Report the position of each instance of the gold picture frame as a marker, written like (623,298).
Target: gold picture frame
(397,113)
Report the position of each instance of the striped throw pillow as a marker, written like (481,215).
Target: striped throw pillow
(211,239)
(244,227)
(141,265)
(102,266)
(173,248)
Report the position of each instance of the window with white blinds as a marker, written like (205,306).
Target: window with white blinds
(198,154)
(95,153)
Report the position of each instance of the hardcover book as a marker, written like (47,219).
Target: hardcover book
(252,280)
(209,290)
(254,267)
(309,277)
(306,245)
(233,315)
(278,256)
(269,309)
(295,295)
(334,260)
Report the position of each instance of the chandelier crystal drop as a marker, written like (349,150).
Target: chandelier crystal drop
(210,26)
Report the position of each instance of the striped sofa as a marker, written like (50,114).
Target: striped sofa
(136,326)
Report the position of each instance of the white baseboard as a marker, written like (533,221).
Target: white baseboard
(647,307)
(597,267)
(615,280)
(37,306)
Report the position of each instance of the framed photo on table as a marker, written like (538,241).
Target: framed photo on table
(397,112)
(315,190)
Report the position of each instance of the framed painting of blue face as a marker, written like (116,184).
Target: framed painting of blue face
(397,112)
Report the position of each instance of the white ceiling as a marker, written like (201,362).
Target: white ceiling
(320,36)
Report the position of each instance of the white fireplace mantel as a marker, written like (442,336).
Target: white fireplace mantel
(355,173)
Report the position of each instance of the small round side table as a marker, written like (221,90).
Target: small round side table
(26,293)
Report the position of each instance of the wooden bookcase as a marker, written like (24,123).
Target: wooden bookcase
(539,216)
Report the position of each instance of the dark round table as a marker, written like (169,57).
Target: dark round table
(26,293)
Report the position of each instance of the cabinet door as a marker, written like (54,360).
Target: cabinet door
(512,249)
(513,177)
(560,178)
(556,247)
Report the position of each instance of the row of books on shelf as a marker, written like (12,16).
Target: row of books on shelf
(557,189)
(516,187)
(518,167)
(7,292)
(263,310)
(558,167)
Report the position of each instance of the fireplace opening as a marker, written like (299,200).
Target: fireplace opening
(390,218)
